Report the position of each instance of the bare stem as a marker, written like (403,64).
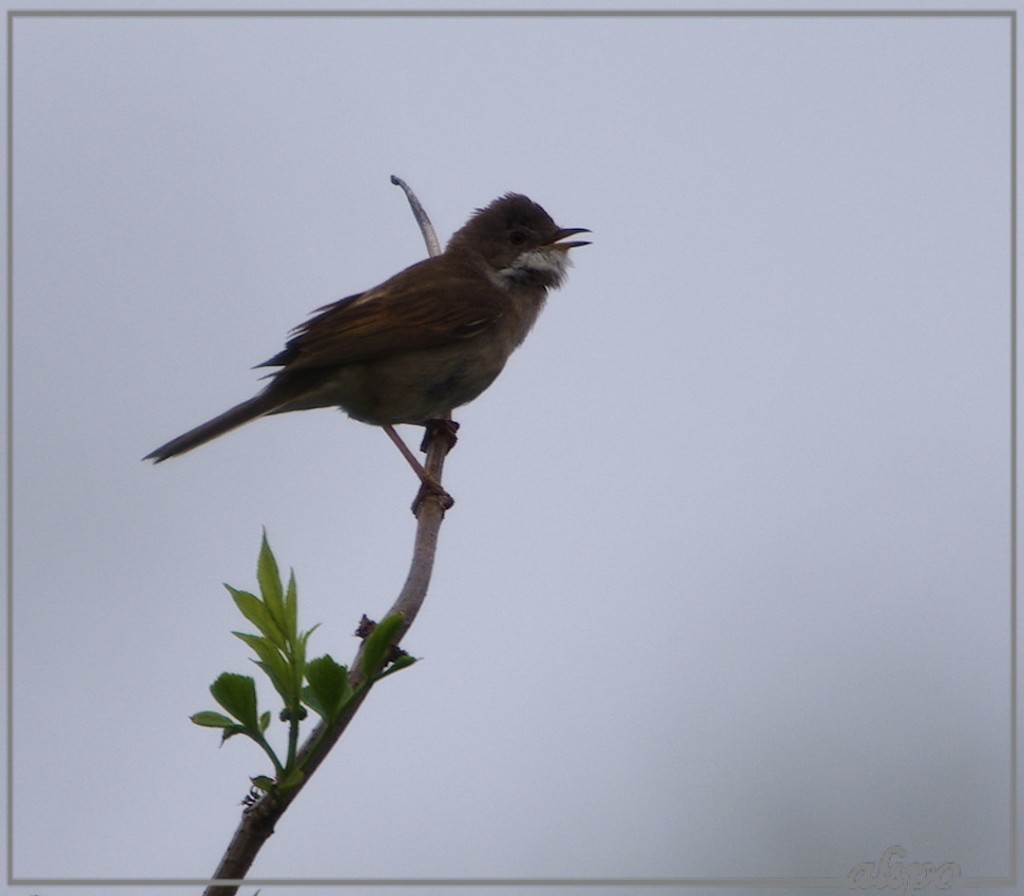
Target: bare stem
(420,214)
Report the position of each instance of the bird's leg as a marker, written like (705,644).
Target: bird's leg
(429,486)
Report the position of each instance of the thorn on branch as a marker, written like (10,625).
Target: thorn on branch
(251,799)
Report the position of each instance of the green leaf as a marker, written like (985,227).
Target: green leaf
(264,648)
(237,694)
(378,644)
(262,782)
(237,592)
(313,702)
(299,659)
(291,605)
(328,687)
(280,687)
(403,662)
(272,662)
(304,639)
(253,609)
(264,721)
(291,779)
(210,719)
(269,577)
(298,663)
(232,730)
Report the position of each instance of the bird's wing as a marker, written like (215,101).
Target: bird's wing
(413,310)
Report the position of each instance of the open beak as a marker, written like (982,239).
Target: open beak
(562,233)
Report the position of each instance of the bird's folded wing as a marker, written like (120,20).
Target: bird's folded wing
(404,314)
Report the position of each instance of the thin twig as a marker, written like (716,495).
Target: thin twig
(258,822)
(420,214)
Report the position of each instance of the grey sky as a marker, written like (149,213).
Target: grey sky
(726,589)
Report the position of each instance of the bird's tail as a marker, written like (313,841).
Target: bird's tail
(234,417)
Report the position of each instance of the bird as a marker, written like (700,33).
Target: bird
(424,342)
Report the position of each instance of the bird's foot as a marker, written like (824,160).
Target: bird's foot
(445,428)
(431,490)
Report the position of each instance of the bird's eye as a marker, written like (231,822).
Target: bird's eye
(517,237)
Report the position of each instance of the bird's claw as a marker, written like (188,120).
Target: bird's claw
(430,490)
(445,428)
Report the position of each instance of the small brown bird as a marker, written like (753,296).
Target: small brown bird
(426,341)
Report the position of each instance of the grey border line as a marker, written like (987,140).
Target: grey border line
(512,13)
(9,445)
(796,882)
(799,882)
(1014,839)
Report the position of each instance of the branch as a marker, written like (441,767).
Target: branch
(420,214)
(258,822)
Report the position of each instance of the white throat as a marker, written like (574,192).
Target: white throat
(543,265)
